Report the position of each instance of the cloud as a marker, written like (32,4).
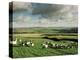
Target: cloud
(53,11)
(44,15)
(20,6)
(46,8)
(22,19)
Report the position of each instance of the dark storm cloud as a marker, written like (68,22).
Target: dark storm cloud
(19,6)
(54,11)
(44,15)
(46,8)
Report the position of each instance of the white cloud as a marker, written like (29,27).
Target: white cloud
(22,19)
(21,6)
(66,16)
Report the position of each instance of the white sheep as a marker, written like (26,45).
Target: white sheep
(53,44)
(68,47)
(23,44)
(32,44)
(45,45)
(28,43)
(72,47)
(13,42)
(20,40)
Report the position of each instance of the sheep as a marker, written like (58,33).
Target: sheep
(65,46)
(68,47)
(56,45)
(28,43)
(72,47)
(47,42)
(23,44)
(32,44)
(13,42)
(59,46)
(72,42)
(62,46)
(52,45)
(45,45)
(20,40)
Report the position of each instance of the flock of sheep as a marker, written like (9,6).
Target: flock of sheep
(44,45)
(21,42)
(53,45)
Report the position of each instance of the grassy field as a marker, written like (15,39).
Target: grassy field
(38,39)
(37,50)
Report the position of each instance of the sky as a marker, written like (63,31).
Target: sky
(26,14)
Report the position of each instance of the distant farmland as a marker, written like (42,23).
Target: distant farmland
(44,30)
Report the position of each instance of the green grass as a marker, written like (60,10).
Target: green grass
(37,50)
(61,37)
(37,35)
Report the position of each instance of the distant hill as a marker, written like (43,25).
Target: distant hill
(45,30)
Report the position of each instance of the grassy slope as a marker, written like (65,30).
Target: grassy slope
(37,50)
(38,40)
(45,30)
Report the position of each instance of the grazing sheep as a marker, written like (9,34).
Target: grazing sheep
(56,45)
(32,44)
(72,46)
(20,40)
(61,46)
(52,45)
(47,42)
(68,47)
(65,46)
(45,45)
(13,42)
(72,42)
(28,42)
(23,44)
